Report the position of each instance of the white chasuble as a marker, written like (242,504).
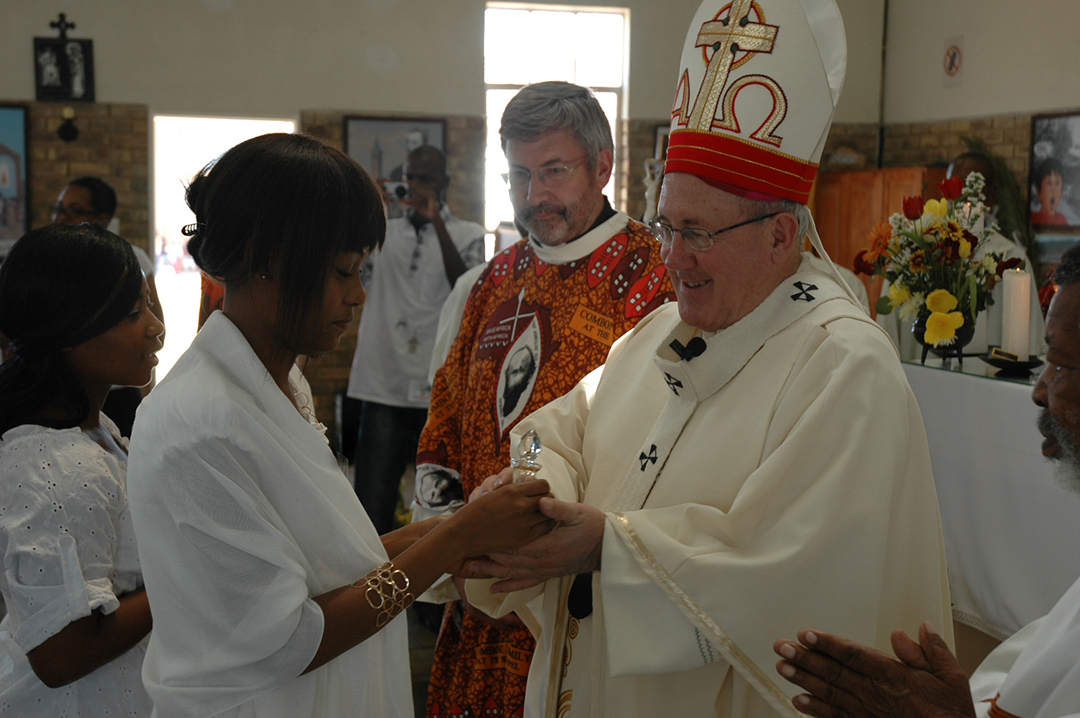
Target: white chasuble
(1036,672)
(778,481)
(243,517)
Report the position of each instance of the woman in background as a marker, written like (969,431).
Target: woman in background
(75,305)
(273,594)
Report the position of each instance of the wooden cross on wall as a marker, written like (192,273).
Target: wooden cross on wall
(62,25)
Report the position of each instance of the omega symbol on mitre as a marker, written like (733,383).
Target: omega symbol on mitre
(731,39)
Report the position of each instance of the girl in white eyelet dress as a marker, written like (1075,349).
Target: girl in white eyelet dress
(73,639)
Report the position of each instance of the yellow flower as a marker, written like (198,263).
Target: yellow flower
(965,249)
(937,208)
(941,327)
(940,301)
(898,294)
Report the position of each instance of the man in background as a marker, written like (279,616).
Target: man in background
(424,254)
(541,315)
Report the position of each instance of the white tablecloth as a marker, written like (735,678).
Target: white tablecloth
(1012,532)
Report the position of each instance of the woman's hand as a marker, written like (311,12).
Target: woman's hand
(504,477)
(503,520)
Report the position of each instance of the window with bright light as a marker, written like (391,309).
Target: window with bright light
(525,44)
(182,147)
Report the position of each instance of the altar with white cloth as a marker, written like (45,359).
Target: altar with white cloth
(1012,531)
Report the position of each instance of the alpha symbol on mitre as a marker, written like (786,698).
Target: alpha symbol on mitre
(731,39)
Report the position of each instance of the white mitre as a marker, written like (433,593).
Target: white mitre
(756,94)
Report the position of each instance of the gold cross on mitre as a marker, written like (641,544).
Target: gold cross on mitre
(736,33)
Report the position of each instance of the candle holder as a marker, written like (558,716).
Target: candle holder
(1010,368)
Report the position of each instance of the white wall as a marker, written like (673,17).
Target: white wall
(272,58)
(1020,57)
(863,24)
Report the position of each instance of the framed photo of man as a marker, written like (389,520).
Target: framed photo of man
(14,184)
(1055,172)
(381,144)
(63,69)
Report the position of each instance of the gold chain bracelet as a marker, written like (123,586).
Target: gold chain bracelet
(387,591)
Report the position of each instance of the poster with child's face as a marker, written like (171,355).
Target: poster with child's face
(1055,172)
(14,200)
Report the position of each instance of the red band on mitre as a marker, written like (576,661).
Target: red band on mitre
(739,167)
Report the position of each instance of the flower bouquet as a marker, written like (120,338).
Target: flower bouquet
(928,254)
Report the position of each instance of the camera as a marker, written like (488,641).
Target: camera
(397,190)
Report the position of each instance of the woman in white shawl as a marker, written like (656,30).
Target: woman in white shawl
(272,593)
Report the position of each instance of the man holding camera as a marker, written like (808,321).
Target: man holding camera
(423,255)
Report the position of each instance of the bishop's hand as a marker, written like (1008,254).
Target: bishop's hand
(844,678)
(572,547)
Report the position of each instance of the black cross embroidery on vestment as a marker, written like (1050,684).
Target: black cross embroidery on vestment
(645,459)
(804,292)
(673,383)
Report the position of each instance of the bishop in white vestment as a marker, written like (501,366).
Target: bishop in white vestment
(748,460)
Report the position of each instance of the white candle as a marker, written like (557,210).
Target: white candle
(1017,312)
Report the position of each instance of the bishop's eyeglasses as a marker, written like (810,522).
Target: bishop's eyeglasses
(696,238)
(551,176)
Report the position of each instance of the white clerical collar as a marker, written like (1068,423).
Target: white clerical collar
(584,245)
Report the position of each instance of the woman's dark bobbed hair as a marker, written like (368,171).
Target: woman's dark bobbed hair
(60,286)
(287,205)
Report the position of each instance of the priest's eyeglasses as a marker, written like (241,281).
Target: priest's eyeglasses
(696,238)
(552,176)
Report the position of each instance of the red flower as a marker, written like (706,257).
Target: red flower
(974,240)
(913,207)
(1008,264)
(951,187)
(861,265)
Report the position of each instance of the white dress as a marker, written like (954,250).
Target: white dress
(68,548)
(244,516)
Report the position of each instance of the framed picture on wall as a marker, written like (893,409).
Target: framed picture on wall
(14,184)
(1054,186)
(63,69)
(381,144)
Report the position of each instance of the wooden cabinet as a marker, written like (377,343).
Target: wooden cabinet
(846,205)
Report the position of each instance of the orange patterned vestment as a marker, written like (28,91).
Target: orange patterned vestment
(530,331)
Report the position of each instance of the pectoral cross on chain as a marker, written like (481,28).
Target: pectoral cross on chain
(734,34)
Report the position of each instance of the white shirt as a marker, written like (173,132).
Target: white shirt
(243,517)
(69,549)
(1037,670)
(401,314)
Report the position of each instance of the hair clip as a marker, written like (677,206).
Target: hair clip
(190,230)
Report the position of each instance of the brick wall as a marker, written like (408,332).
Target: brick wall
(464,145)
(850,147)
(935,143)
(113,143)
